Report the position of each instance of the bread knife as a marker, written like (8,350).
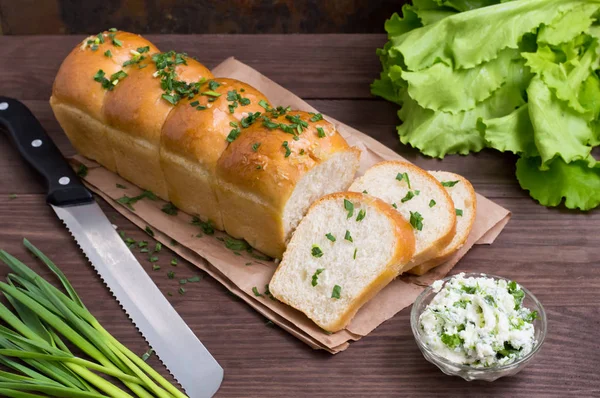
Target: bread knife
(173,341)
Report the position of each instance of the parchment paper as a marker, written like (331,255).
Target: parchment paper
(241,271)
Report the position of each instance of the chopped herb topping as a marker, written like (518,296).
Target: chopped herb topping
(394,205)
(181,290)
(264,104)
(365,192)
(121,186)
(157,247)
(233,134)
(315,117)
(171,275)
(315,277)
(335,293)
(213,85)
(432,203)
(174,89)
(330,237)
(12,196)
(348,237)
(409,195)
(403,176)
(82,171)
(153,259)
(416,220)
(354,256)
(237,244)
(255,146)
(321,132)
(108,54)
(207,226)
(459,212)
(452,340)
(361,214)
(248,120)
(349,206)
(155,267)
(129,202)
(174,261)
(195,278)
(170,209)
(149,231)
(316,251)
(288,151)
(450,183)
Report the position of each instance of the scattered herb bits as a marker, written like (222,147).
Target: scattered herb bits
(348,237)
(416,220)
(316,251)
(459,212)
(256,292)
(330,237)
(170,209)
(450,184)
(315,277)
(409,195)
(403,176)
(335,293)
(82,171)
(361,215)
(432,203)
(349,206)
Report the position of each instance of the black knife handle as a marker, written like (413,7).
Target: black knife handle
(34,144)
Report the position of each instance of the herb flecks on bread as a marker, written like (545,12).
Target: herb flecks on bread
(330,287)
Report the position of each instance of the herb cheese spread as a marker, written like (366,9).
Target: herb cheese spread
(478,322)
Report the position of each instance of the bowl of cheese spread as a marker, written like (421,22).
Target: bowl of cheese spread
(478,326)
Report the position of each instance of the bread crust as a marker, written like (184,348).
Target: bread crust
(77,99)
(449,250)
(253,186)
(192,141)
(397,264)
(135,113)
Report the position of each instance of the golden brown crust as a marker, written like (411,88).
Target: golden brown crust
(200,135)
(452,248)
(192,141)
(254,185)
(75,84)
(77,99)
(401,258)
(267,172)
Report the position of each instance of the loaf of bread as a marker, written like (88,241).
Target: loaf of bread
(419,197)
(346,249)
(215,148)
(465,203)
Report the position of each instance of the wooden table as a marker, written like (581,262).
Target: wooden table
(553,252)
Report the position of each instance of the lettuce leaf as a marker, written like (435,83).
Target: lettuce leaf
(436,87)
(558,130)
(565,78)
(512,133)
(470,38)
(577,183)
(568,25)
(437,134)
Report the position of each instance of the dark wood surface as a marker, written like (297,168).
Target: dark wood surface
(553,252)
(195,16)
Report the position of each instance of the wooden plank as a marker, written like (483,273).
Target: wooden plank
(311,66)
(259,360)
(200,16)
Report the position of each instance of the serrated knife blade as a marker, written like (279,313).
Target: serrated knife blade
(169,336)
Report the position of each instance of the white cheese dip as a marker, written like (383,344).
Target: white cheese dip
(478,322)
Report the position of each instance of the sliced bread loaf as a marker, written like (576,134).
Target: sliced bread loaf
(463,195)
(345,250)
(419,197)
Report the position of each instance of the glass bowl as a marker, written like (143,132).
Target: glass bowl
(468,372)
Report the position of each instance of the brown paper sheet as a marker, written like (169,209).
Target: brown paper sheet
(241,271)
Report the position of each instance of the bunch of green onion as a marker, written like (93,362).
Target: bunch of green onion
(35,340)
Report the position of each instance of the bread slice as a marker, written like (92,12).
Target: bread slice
(345,250)
(465,202)
(421,199)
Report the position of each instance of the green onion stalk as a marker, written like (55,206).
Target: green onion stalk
(40,320)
